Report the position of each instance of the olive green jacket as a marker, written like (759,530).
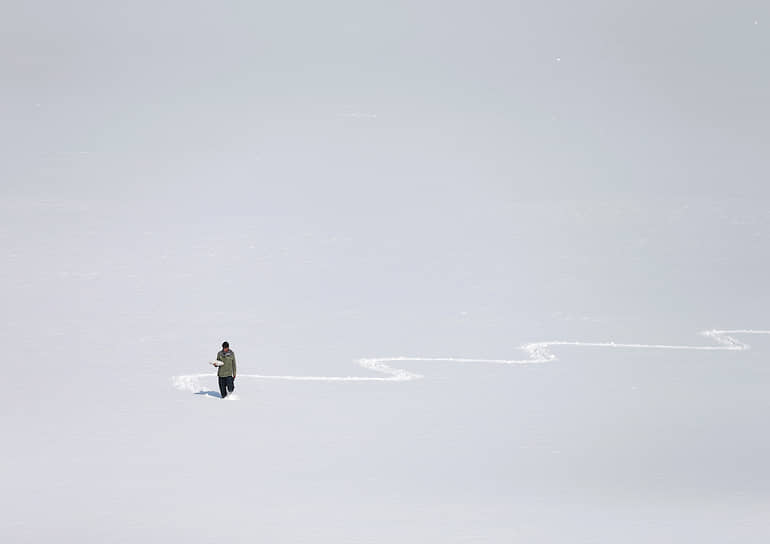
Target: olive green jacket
(228,363)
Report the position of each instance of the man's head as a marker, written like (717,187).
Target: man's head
(225,346)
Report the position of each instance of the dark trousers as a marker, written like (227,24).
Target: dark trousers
(226,383)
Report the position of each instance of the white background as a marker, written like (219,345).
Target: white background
(318,183)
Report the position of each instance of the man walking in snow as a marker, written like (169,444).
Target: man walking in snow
(226,369)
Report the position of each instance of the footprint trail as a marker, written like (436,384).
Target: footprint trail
(537,353)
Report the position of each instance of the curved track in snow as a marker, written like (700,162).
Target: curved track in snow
(537,353)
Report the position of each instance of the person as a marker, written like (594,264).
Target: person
(226,369)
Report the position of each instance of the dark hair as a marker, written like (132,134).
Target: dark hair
(225,344)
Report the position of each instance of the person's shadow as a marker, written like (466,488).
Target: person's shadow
(214,394)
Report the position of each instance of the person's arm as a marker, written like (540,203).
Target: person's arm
(233,365)
(219,362)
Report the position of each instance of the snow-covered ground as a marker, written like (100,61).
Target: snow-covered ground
(465,263)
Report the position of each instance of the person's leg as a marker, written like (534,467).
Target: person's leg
(230,384)
(222,386)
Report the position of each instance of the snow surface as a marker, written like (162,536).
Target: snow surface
(475,295)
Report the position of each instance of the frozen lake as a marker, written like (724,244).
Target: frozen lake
(528,213)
